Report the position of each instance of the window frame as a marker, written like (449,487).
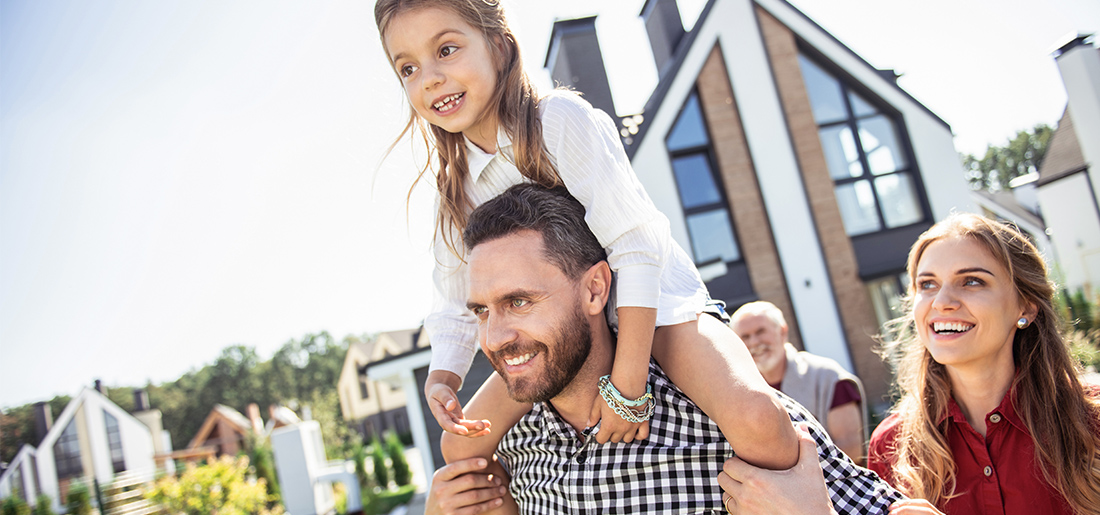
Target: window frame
(850,86)
(706,150)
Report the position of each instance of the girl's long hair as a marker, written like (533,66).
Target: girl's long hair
(516,111)
(1048,395)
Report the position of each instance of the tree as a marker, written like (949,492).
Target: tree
(999,165)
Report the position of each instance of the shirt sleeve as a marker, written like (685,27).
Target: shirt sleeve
(452,328)
(591,161)
(880,452)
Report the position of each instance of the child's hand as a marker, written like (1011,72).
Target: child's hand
(448,413)
(613,427)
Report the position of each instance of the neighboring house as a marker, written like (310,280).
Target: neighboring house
(91,438)
(225,431)
(372,406)
(791,169)
(1068,177)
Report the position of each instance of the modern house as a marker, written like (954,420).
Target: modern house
(92,438)
(1068,176)
(373,406)
(789,168)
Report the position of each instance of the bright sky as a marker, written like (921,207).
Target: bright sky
(180,176)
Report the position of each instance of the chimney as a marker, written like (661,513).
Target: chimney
(100,388)
(43,420)
(141,400)
(574,60)
(254,417)
(665,29)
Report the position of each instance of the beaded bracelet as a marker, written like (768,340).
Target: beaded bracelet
(634,411)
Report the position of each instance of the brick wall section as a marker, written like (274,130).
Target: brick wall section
(852,299)
(754,233)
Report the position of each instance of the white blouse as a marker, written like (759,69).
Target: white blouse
(652,270)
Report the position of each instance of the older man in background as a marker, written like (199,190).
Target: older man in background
(820,384)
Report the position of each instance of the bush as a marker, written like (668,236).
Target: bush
(263,463)
(378,457)
(396,451)
(79,500)
(359,456)
(217,487)
(14,506)
(378,503)
(43,505)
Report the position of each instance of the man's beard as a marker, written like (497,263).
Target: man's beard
(560,366)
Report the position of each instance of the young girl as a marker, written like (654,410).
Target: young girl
(460,66)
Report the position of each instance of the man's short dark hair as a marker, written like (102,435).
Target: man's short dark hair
(554,213)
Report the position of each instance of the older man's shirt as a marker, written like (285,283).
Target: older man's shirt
(674,470)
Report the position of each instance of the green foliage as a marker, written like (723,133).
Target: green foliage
(217,487)
(396,451)
(79,499)
(1080,311)
(262,457)
(359,456)
(999,165)
(14,506)
(378,457)
(384,501)
(17,426)
(43,505)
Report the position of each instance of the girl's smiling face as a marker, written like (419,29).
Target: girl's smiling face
(447,70)
(965,305)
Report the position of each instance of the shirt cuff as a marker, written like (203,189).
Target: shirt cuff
(638,286)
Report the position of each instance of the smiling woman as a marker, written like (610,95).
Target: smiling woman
(993,417)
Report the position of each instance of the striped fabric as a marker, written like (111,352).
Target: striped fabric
(652,270)
(675,470)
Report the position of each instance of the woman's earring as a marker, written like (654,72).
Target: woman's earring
(1021,323)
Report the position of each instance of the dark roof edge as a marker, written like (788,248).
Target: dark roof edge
(665,80)
(1075,41)
(1043,181)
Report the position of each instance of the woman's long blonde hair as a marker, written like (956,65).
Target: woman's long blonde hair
(517,112)
(1049,397)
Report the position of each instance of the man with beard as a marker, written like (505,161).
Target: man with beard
(539,283)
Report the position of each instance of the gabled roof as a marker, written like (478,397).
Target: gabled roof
(239,423)
(66,416)
(665,81)
(1063,157)
(395,343)
(25,453)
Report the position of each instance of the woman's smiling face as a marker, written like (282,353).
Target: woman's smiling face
(965,305)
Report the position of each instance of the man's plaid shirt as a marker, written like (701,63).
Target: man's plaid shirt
(674,470)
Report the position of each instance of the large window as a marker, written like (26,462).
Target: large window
(66,453)
(114,442)
(867,159)
(705,209)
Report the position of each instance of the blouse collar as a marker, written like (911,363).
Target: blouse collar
(479,159)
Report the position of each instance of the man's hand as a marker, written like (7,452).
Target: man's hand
(443,401)
(797,490)
(464,488)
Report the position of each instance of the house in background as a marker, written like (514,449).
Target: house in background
(789,168)
(224,433)
(92,438)
(1068,176)
(372,406)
